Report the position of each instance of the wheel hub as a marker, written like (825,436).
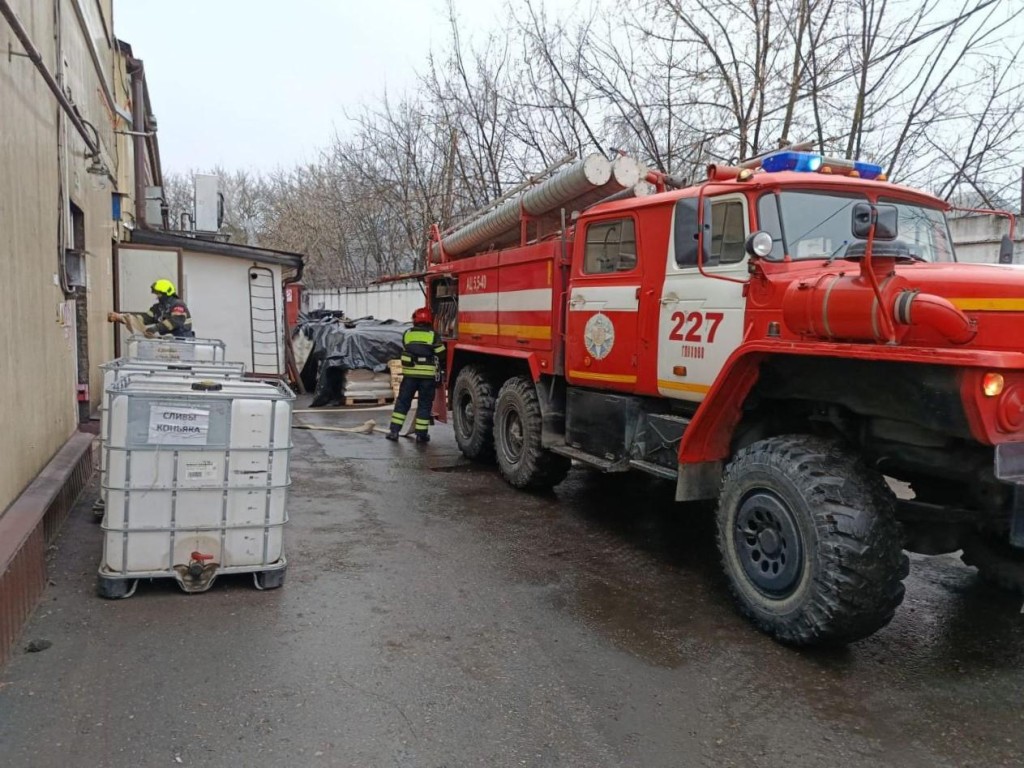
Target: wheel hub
(468,414)
(512,429)
(767,543)
(770,542)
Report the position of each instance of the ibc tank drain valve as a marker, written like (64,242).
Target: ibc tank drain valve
(195,566)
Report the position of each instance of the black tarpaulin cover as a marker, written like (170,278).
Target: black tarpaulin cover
(340,346)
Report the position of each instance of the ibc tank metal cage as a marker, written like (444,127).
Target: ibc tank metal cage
(122,367)
(171,348)
(196,482)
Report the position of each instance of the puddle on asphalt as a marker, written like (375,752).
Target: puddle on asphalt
(468,467)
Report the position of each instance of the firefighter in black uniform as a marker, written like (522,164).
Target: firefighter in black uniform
(168,317)
(422,354)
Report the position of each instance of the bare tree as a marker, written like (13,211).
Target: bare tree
(933,90)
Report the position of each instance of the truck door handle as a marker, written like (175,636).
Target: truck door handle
(670,298)
(578,300)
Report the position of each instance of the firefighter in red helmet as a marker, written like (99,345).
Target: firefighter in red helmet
(422,356)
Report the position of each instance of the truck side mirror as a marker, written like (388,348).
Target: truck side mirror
(884,217)
(1006,250)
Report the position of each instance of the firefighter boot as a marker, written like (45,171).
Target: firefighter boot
(392,434)
(422,438)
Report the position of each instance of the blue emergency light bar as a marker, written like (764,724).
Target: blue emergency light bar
(792,161)
(867,170)
(809,162)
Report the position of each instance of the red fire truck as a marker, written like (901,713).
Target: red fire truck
(781,338)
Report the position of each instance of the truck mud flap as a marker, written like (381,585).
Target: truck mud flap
(1009,468)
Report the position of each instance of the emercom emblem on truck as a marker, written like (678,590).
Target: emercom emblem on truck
(599,336)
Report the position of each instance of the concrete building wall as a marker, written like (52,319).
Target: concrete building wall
(977,237)
(38,346)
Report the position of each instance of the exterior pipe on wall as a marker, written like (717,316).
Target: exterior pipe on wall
(33,53)
(138,139)
(90,44)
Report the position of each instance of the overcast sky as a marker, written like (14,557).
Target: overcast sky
(260,84)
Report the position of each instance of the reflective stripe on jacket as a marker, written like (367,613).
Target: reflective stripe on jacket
(422,350)
(169,316)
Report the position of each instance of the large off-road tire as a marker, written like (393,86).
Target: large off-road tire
(523,462)
(996,560)
(473,414)
(809,541)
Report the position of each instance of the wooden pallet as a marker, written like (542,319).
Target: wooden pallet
(368,400)
(395,367)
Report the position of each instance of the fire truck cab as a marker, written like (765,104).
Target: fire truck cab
(781,339)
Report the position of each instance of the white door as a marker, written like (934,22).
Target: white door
(137,268)
(701,317)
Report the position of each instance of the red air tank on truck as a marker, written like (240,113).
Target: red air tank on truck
(780,338)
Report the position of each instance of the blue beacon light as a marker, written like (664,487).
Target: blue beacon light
(793,161)
(867,170)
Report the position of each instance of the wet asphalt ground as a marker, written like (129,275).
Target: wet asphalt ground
(434,617)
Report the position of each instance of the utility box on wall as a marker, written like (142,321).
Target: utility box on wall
(155,206)
(208,203)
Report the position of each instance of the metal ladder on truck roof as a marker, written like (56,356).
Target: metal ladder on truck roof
(264,323)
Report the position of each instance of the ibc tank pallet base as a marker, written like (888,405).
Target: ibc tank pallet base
(121,586)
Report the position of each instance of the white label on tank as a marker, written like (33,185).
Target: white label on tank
(180,426)
(167,352)
(200,470)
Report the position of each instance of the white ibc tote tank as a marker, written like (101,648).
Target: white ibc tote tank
(123,367)
(196,482)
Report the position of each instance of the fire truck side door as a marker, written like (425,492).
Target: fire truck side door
(701,318)
(601,349)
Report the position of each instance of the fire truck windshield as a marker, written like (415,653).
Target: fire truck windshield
(816,225)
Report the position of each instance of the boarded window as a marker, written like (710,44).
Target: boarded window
(610,247)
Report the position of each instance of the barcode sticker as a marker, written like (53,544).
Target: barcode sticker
(200,470)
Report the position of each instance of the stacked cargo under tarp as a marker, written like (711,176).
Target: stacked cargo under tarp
(363,386)
(343,355)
